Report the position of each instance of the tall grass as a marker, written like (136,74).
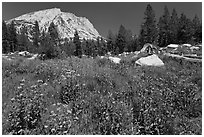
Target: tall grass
(96,96)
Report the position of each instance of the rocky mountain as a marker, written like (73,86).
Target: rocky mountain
(66,23)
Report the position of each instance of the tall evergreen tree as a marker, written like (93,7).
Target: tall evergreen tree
(111,41)
(121,39)
(83,46)
(173,25)
(135,44)
(129,41)
(104,47)
(5,40)
(78,51)
(164,29)
(54,41)
(53,32)
(197,29)
(23,40)
(36,36)
(185,30)
(13,42)
(148,32)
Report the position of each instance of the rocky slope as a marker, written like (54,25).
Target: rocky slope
(66,23)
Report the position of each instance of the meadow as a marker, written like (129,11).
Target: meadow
(95,96)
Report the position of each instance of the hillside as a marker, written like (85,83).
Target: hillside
(66,23)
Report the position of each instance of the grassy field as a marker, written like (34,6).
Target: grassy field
(96,96)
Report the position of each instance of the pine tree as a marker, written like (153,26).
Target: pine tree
(23,40)
(89,48)
(78,51)
(148,32)
(129,41)
(104,47)
(47,46)
(53,33)
(111,41)
(185,30)
(197,29)
(173,25)
(98,47)
(135,44)
(13,42)
(83,46)
(5,40)
(121,39)
(36,36)
(55,50)
(164,29)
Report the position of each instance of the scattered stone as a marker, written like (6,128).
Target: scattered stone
(115,59)
(152,60)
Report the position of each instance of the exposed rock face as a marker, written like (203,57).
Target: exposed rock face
(152,60)
(66,23)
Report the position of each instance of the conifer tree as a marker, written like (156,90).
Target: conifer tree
(111,41)
(89,48)
(36,36)
(98,46)
(135,44)
(184,30)
(83,46)
(76,41)
(53,33)
(173,26)
(129,41)
(23,40)
(121,39)
(164,29)
(5,40)
(55,50)
(104,47)
(148,32)
(197,29)
(13,42)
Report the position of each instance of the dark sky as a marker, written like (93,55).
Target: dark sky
(104,15)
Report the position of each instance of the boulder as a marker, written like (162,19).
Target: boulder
(115,59)
(173,46)
(35,56)
(24,53)
(152,60)
(187,45)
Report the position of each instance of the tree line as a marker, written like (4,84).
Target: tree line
(170,29)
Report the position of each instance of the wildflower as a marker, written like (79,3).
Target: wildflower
(52,130)
(23,80)
(33,86)
(58,103)
(45,84)
(65,132)
(40,81)
(19,87)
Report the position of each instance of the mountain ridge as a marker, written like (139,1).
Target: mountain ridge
(65,22)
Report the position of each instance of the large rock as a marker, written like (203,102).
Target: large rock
(114,59)
(173,46)
(152,60)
